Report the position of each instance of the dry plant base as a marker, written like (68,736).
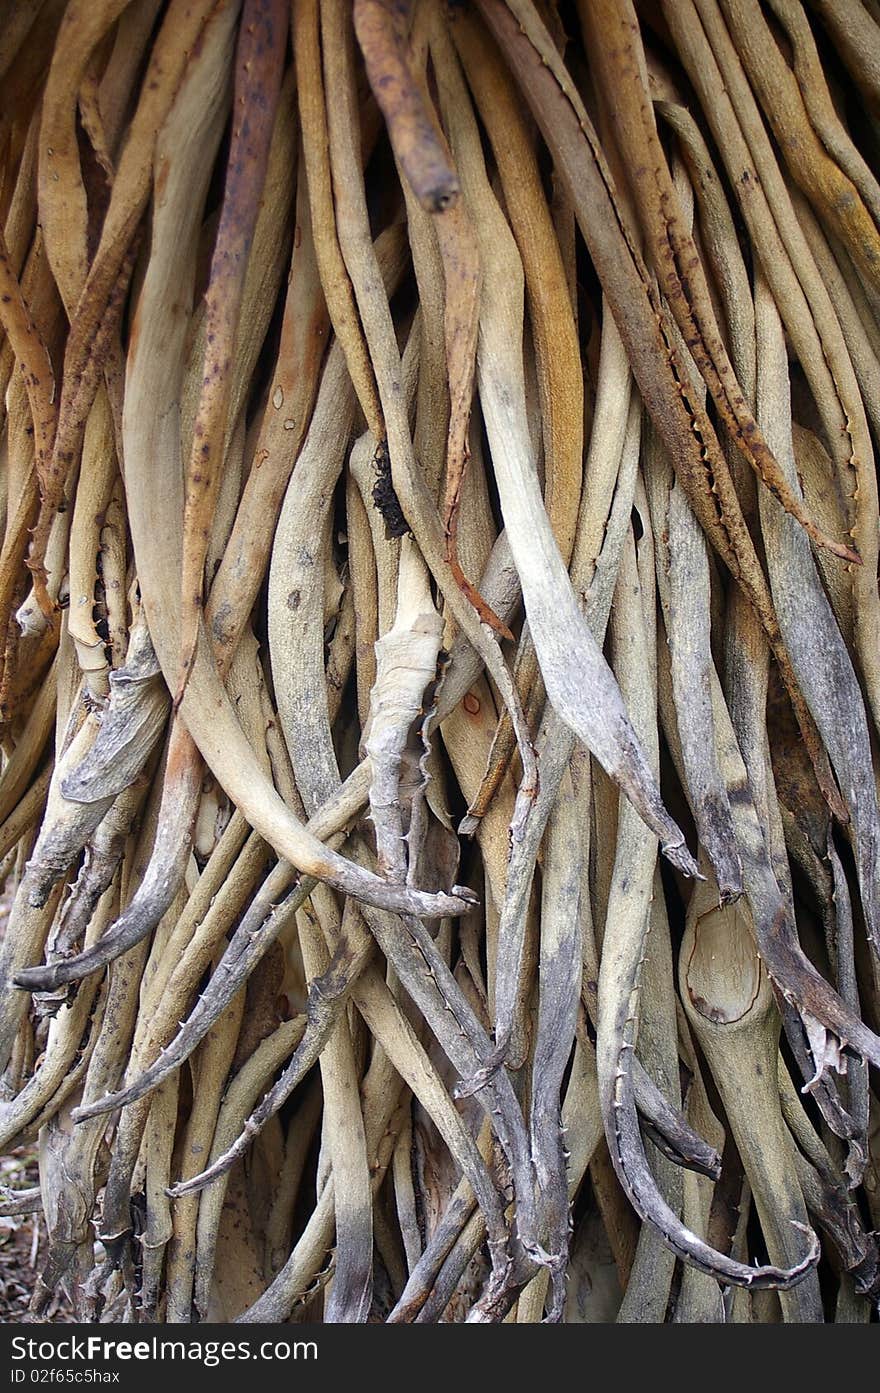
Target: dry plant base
(439,682)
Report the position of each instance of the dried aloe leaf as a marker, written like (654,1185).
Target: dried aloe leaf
(259,63)
(381,30)
(566,648)
(622,954)
(812,164)
(831,688)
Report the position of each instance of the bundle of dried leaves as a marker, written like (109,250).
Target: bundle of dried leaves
(440,667)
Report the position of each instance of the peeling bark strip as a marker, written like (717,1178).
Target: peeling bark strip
(259,64)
